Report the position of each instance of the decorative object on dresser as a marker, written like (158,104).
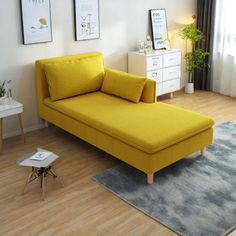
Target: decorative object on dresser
(145,46)
(196,58)
(87,23)
(159,28)
(164,66)
(40,167)
(36,21)
(10,108)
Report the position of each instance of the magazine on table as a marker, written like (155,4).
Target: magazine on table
(40,156)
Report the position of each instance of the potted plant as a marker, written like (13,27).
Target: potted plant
(2,91)
(5,91)
(196,58)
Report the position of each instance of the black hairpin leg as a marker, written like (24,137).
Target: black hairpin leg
(41,173)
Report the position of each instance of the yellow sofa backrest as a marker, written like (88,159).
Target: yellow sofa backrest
(148,95)
(41,81)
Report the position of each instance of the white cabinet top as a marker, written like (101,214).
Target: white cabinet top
(156,52)
(10,108)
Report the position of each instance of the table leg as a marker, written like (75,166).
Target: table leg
(46,124)
(43,187)
(41,181)
(27,181)
(21,126)
(1,129)
(57,176)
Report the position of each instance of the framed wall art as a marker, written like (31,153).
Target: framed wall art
(87,25)
(159,28)
(36,21)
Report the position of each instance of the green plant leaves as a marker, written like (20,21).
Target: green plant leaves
(2,88)
(191,33)
(196,59)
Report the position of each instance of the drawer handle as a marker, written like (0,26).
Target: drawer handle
(155,63)
(154,74)
(156,59)
(171,85)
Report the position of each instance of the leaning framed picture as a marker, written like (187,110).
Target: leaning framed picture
(87,23)
(36,21)
(159,28)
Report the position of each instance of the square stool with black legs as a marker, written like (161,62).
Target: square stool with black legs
(40,169)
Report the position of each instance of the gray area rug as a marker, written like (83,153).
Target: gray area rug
(195,196)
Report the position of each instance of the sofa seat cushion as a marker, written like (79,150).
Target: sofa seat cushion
(148,127)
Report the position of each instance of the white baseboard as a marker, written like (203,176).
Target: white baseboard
(26,129)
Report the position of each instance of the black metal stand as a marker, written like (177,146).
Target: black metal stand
(41,173)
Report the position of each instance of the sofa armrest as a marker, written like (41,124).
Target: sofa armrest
(149,92)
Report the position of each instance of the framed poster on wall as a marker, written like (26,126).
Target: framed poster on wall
(159,28)
(87,25)
(36,21)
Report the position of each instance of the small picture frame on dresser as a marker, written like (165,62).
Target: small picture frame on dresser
(159,28)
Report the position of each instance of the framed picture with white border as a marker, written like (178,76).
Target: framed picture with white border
(36,21)
(159,28)
(87,22)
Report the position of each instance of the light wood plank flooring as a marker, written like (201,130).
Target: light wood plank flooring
(82,207)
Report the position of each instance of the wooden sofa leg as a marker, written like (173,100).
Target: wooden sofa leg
(46,124)
(150,178)
(203,152)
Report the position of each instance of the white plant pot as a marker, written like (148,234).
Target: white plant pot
(189,88)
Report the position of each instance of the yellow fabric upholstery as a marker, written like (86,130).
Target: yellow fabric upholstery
(123,85)
(146,135)
(41,80)
(148,127)
(74,77)
(148,163)
(149,92)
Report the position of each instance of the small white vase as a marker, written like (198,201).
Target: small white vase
(189,88)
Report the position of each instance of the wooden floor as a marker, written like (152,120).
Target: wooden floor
(83,207)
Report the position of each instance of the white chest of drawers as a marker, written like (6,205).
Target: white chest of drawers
(164,66)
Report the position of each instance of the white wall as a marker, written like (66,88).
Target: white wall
(123,22)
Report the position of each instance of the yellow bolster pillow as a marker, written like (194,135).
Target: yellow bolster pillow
(74,77)
(123,85)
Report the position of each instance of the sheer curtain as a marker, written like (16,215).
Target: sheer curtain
(224,49)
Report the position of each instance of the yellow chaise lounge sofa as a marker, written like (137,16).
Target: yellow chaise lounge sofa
(118,113)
